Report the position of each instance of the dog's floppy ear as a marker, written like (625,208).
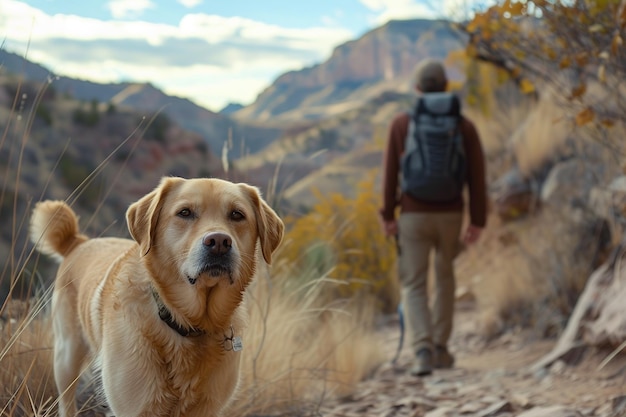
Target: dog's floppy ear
(269,226)
(142,216)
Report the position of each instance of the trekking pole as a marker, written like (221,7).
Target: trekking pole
(401,342)
(400,316)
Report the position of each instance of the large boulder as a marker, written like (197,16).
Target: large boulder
(513,196)
(599,318)
(610,203)
(569,183)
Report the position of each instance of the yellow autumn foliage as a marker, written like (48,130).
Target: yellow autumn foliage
(482,80)
(340,239)
(541,43)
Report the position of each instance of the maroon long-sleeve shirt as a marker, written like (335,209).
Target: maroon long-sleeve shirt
(476,180)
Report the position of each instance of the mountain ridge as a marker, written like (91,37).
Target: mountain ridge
(216,128)
(380,60)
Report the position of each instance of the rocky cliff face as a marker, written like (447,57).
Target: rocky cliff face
(356,71)
(386,53)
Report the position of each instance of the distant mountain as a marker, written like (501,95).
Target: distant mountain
(331,155)
(381,60)
(231,108)
(217,129)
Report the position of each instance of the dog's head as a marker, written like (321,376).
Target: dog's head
(204,230)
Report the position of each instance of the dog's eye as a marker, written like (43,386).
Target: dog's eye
(185,213)
(236,215)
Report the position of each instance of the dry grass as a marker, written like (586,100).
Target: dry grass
(26,382)
(528,274)
(302,350)
(25,373)
(496,127)
(522,133)
(540,137)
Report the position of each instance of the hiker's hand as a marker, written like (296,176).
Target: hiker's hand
(472,234)
(390,227)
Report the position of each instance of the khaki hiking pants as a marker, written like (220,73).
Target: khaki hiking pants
(419,233)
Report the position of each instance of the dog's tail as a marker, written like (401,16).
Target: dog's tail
(54,229)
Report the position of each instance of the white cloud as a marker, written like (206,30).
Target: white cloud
(121,9)
(333,18)
(215,95)
(375,5)
(463,9)
(210,59)
(190,4)
(385,10)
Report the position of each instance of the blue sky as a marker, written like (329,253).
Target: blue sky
(210,51)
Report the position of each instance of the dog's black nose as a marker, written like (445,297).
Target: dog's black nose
(217,243)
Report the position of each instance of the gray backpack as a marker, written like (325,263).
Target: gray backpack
(433,164)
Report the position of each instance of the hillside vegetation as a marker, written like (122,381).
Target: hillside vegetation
(97,156)
(216,129)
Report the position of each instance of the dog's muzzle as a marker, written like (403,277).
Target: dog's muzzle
(217,259)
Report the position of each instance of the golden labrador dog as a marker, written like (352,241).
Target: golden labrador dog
(160,317)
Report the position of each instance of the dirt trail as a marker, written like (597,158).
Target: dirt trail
(490,379)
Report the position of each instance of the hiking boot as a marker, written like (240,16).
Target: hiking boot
(423,364)
(443,358)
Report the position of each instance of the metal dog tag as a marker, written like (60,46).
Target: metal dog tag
(237,344)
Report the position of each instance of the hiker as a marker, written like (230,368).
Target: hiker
(443,155)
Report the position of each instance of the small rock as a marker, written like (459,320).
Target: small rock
(558,367)
(571,354)
(554,411)
(441,412)
(604,410)
(471,408)
(521,400)
(548,381)
(540,373)
(618,405)
(496,374)
(464,295)
(490,399)
(496,409)
(470,389)
(441,390)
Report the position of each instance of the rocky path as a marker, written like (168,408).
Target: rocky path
(490,379)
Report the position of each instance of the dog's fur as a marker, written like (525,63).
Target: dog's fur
(196,247)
